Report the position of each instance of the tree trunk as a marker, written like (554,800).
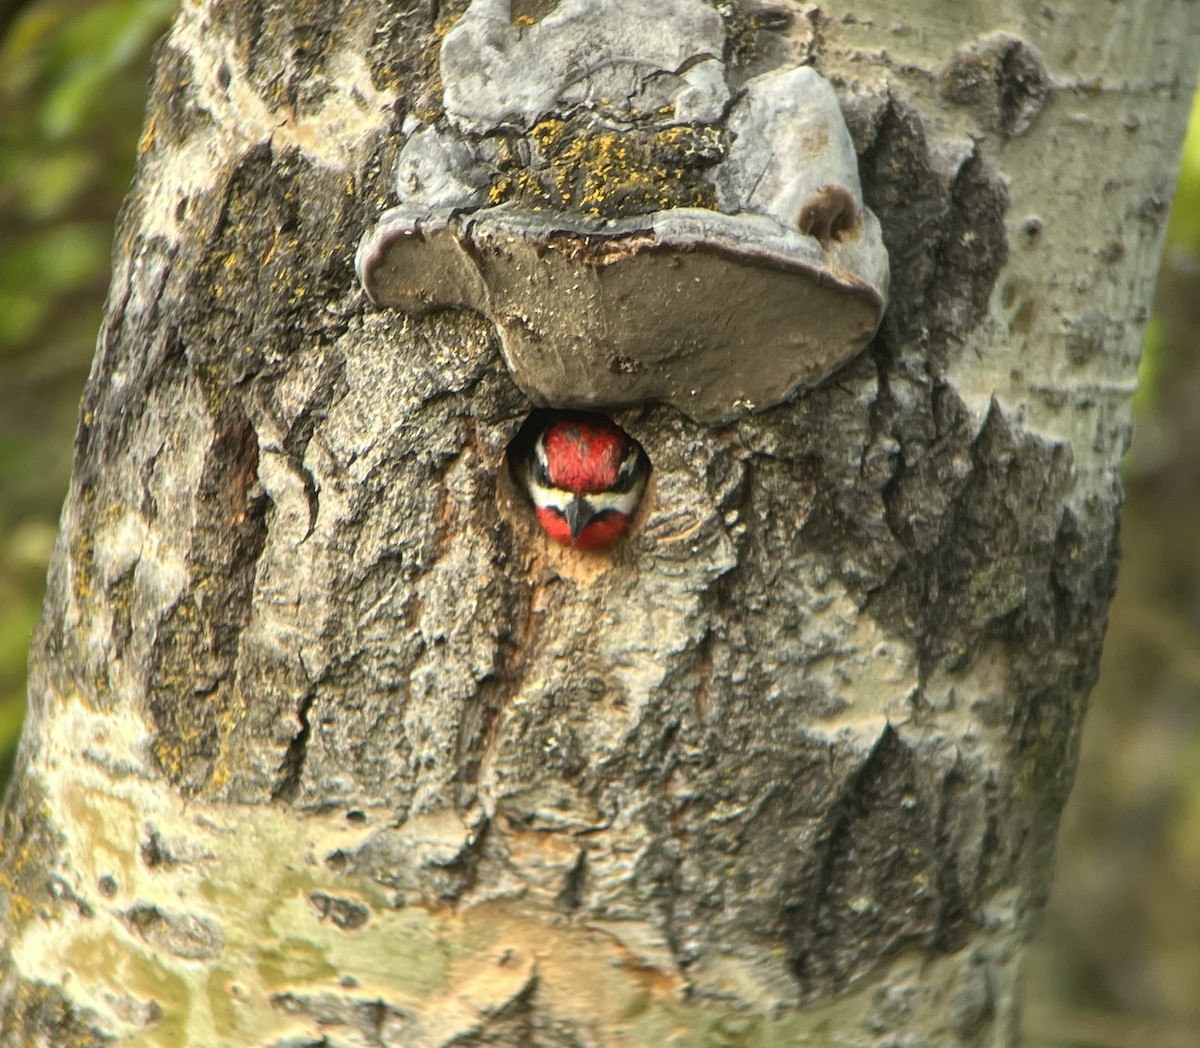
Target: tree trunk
(329,745)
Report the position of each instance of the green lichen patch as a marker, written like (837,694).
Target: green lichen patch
(192,698)
(33,1013)
(609,172)
(174,112)
(290,44)
(29,849)
(256,293)
(94,596)
(404,55)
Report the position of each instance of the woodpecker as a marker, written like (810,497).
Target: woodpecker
(585,476)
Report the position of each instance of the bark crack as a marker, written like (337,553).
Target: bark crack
(295,445)
(292,767)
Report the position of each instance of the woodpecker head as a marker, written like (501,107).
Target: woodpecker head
(586,476)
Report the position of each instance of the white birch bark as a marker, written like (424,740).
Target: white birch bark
(327,744)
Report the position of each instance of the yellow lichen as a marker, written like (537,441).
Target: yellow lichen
(609,171)
(146,142)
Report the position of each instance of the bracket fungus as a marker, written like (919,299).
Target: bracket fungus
(636,231)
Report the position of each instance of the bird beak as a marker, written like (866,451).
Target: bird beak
(579,514)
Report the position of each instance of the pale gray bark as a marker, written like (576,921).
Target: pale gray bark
(329,746)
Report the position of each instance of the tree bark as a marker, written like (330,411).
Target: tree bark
(329,745)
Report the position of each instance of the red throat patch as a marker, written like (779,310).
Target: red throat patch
(602,531)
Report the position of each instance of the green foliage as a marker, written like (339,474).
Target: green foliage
(1184,229)
(23,556)
(35,270)
(77,59)
(72,90)
(1150,369)
(1183,233)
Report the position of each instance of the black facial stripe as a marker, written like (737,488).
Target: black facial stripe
(602,514)
(627,475)
(541,468)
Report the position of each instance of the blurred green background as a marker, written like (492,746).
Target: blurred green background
(1117,964)
(72,87)
(1117,961)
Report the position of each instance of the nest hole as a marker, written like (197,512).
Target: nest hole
(616,504)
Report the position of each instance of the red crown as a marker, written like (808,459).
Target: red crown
(584,455)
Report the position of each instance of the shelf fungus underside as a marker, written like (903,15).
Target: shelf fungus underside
(777,277)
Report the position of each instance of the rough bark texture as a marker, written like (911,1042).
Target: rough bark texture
(328,745)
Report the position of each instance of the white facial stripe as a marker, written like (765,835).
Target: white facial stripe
(546,497)
(618,501)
